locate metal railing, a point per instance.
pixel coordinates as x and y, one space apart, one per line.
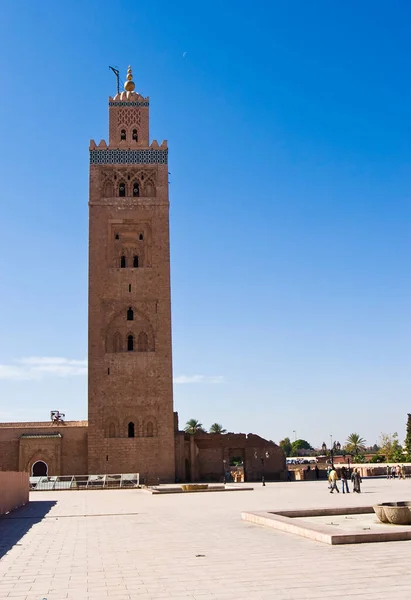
85 482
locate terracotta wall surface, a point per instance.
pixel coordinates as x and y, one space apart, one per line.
14 490
64 456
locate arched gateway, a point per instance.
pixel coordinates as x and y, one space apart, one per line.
39 469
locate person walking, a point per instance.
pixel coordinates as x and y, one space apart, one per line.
317 472
333 478
344 482
356 480
388 472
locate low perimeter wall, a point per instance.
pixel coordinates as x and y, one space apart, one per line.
14 490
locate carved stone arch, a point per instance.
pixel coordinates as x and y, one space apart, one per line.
108 189
131 418
118 323
119 188
130 342
150 427
117 342
149 188
40 454
142 342
112 427
135 128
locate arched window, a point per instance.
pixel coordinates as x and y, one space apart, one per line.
117 236
130 314
136 189
150 429
142 342
123 134
117 345
123 263
130 343
135 135
131 429
135 262
122 190
141 237
112 430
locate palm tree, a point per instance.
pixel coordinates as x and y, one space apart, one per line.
193 426
355 444
217 428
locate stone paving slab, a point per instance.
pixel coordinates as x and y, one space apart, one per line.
128 545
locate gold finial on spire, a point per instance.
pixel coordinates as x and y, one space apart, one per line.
129 84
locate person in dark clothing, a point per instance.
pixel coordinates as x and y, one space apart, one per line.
317 472
344 482
356 479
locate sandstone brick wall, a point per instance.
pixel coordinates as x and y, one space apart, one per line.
64 456
207 452
14 490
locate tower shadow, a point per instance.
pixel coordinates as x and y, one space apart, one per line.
17 523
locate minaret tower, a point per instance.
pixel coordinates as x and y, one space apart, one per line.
130 396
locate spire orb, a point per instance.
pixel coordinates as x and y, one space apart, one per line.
129 84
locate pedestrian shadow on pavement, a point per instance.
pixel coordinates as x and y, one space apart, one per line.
17 523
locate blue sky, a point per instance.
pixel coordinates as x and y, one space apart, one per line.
290 146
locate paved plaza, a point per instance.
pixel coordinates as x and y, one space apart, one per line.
129 544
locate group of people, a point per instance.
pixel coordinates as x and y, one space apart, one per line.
345 476
396 471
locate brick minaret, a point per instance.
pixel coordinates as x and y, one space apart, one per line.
130 402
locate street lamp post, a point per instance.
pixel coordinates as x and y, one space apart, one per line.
224 478
336 446
266 455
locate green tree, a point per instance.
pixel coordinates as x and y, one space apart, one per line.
217 428
286 446
407 443
355 444
193 426
391 448
298 445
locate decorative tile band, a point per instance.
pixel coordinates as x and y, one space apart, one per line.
128 157
128 104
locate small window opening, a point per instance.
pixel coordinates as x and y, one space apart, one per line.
135 136
123 262
141 236
130 314
107 457
130 343
117 237
122 190
135 262
136 189
108 371
131 429
129 287
128 177
123 134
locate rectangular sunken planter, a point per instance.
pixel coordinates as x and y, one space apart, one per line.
292 521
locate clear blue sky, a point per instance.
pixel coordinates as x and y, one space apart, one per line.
290 149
